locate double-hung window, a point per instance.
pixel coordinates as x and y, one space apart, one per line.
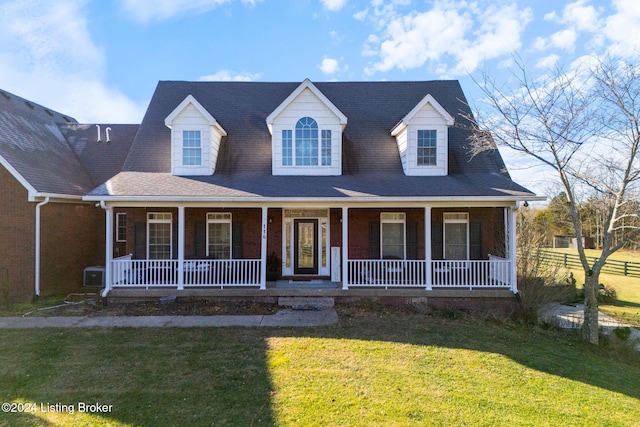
121 227
326 147
191 148
456 235
427 149
219 235
159 235
287 147
392 234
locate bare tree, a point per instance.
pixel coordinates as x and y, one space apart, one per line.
583 123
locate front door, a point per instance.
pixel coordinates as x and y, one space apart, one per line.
305 238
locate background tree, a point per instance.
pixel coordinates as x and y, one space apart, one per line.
584 124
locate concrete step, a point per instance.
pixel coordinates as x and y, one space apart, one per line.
306 303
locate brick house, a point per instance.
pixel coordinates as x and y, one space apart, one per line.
278 189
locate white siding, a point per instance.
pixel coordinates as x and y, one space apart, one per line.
426 119
307 104
191 119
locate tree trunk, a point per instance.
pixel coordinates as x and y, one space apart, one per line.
590 330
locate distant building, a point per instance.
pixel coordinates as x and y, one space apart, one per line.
571 242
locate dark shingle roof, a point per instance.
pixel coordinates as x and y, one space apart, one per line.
371 162
46 148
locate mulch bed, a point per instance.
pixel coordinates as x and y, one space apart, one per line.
179 307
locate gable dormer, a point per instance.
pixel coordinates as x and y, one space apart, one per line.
422 137
195 139
306 134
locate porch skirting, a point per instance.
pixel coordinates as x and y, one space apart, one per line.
494 300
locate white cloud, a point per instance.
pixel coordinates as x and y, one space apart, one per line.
146 11
453 37
565 39
581 16
548 62
622 27
229 76
47 56
577 17
329 66
333 5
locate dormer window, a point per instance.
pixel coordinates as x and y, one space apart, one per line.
191 148
427 148
195 139
306 131
308 151
422 137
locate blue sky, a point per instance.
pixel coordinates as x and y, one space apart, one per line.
100 60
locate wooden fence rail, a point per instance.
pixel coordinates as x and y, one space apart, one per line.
620 268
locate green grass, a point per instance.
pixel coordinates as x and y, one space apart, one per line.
371 369
627 308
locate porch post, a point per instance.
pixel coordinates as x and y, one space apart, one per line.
263 249
181 220
427 247
345 248
108 249
512 249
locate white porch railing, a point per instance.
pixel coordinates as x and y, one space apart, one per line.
150 273
387 273
492 273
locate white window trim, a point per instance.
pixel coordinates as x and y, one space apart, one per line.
224 218
164 220
119 226
199 148
425 165
451 220
400 218
294 143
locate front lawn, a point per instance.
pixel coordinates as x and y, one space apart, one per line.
371 369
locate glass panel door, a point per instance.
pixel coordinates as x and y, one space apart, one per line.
305 241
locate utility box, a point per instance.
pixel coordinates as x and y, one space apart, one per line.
93 277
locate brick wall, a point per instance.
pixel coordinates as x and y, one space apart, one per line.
17 240
72 238
251 220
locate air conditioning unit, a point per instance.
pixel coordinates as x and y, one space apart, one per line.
93 277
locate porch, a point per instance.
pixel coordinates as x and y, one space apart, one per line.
240 249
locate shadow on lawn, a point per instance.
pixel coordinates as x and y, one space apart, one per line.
558 353
220 376
151 377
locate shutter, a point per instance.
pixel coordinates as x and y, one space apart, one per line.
200 236
174 240
140 240
374 240
412 240
436 240
475 240
237 241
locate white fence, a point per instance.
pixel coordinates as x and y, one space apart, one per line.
150 273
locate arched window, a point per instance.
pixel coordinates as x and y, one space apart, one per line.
306 142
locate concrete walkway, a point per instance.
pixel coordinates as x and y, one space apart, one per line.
572 316
283 318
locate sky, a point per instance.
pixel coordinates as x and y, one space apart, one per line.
99 61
